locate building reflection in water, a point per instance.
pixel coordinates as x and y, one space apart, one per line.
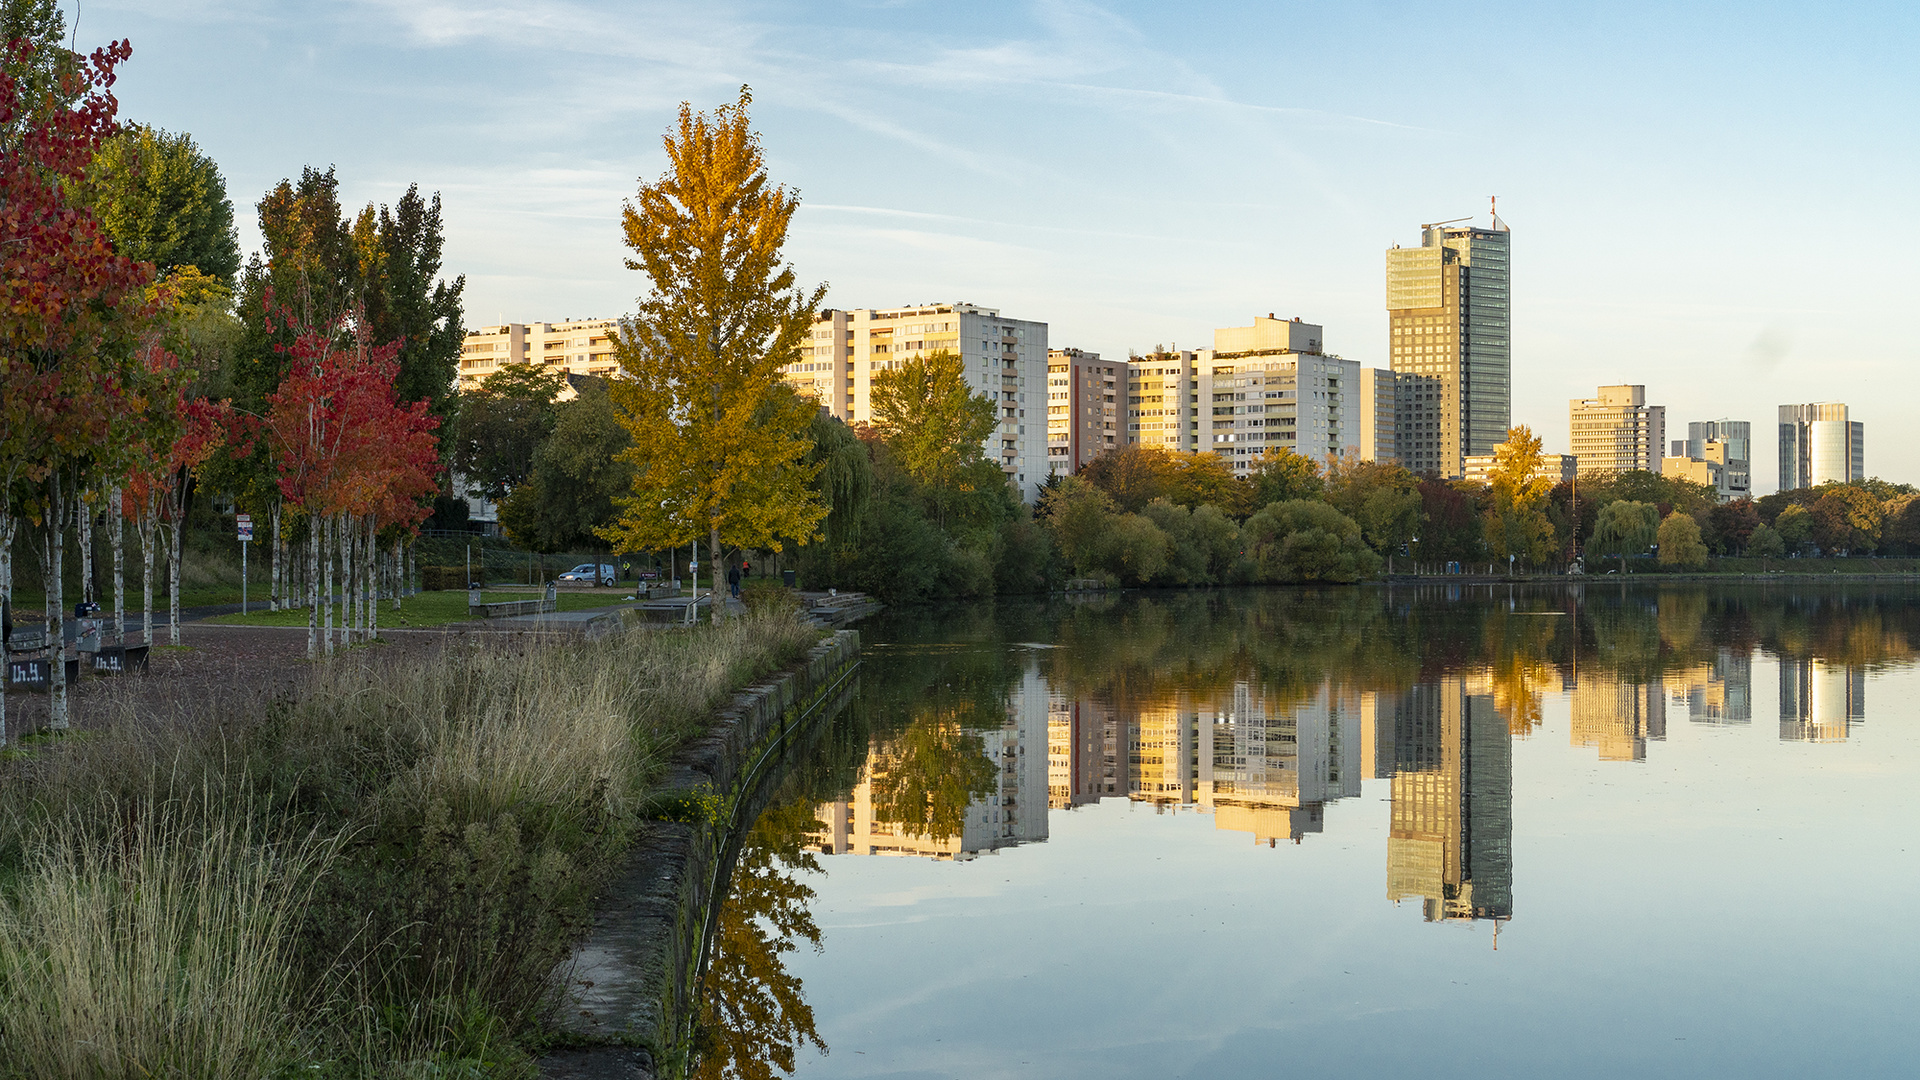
1616 716
1720 692
1011 810
1820 700
1450 844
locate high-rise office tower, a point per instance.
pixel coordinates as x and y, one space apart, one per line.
1450 333
1819 445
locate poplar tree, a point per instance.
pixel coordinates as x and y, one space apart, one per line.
720 444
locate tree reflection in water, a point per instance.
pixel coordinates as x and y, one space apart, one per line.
754 1017
925 778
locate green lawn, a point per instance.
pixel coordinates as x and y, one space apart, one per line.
430 608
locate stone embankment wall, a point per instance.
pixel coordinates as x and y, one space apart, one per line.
630 989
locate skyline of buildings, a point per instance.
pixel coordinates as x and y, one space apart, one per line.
1272 386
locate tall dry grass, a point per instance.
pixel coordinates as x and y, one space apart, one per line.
154 943
478 800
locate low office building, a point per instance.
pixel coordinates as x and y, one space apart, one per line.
1617 430
1820 444
1479 467
1004 358
1734 455
1086 408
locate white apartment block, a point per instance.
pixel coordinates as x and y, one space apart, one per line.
1262 389
1270 387
1005 360
576 347
1086 408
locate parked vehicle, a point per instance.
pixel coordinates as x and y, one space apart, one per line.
591 574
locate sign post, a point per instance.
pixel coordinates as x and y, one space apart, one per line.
245 524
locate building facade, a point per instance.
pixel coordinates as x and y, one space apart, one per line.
1734 455
1004 358
1379 405
1163 400
1617 430
1086 408
576 347
1819 444
1450 337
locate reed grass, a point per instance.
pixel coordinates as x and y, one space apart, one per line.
377 875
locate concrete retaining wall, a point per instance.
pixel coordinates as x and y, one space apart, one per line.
631 986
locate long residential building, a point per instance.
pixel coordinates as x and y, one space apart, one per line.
1004 358
1820 444
1616 430
1450 339
1260 390
574 346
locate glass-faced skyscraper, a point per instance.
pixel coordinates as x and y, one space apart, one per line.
1450 334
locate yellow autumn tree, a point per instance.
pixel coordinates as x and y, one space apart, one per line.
719 442
1517 519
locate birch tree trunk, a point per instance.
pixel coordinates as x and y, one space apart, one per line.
399 574
326 585
83 517
373 581
117 527
50 565
173 580
313 587
275 593
149 522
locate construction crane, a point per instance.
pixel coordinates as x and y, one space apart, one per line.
1450 221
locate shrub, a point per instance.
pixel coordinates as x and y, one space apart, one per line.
1306 540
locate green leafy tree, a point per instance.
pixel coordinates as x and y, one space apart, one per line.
935 423
163 201
500 425
404 298
1283 477
1624 528
1450 525
1518 491
844 480
1205 480
1900 532
1306 540
1765 544
1680 543
1795 526
1079 515
44 76
1383 498
720 444
1134 549
567 499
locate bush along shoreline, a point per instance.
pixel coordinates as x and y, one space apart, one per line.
373 878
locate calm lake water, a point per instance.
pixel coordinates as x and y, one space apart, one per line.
1364 832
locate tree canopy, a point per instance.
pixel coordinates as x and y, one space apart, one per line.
164 202
720 444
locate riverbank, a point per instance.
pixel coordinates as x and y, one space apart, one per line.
372 871
631 988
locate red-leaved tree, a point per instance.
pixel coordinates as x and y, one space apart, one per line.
354 460
72 314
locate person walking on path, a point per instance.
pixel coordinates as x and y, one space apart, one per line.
733 579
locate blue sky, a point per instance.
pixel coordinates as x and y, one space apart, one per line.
1715 200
